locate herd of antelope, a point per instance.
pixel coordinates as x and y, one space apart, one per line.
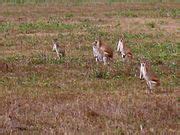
104 53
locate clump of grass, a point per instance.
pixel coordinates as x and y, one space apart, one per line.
100 73
151 24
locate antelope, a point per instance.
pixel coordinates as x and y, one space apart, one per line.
56 47
104 52
98 55
147 74
124 51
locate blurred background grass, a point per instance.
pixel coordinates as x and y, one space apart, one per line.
79 1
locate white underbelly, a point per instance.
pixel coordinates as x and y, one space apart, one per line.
97 54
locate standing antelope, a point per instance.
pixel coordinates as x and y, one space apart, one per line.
124 51
147 74
98 55
104 52
59 50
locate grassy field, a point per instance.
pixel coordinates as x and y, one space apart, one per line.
40 94
80 2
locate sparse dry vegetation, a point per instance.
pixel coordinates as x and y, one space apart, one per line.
41 94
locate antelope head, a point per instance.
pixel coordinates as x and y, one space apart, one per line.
144 66
120 45
97 43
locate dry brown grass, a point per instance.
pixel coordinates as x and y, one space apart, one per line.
95 112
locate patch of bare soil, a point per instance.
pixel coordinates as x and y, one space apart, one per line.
172 26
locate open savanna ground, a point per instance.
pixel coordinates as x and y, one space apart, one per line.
41 94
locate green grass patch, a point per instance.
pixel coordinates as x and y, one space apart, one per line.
34 26
5 27
129 36
101 74
157 53
69 15
14 58
128 13
41 58
24 27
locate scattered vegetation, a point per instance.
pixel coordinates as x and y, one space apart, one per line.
45 95
28 27
4 27
44 59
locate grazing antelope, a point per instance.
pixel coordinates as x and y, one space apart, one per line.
147 74
124 51
104 52
56 47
